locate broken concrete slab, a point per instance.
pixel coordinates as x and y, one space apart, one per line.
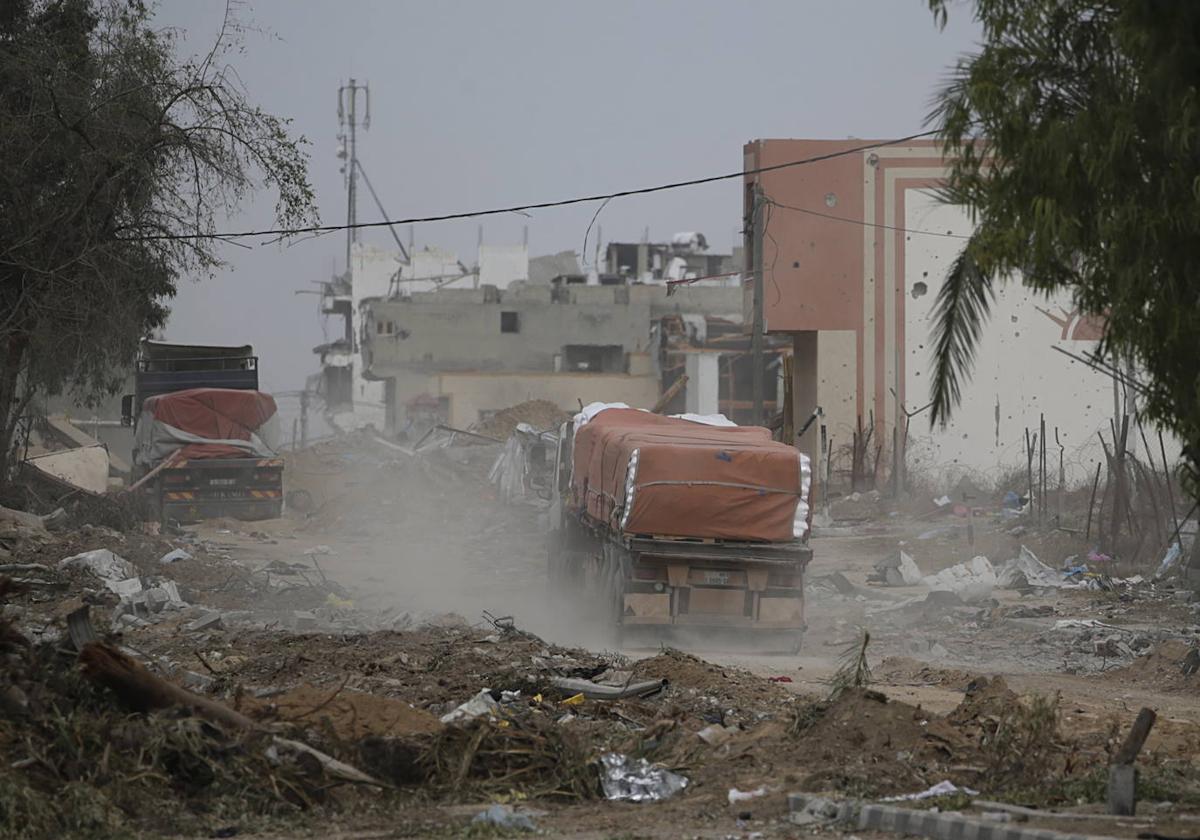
85 468
127 588
208 621
67 433
102 563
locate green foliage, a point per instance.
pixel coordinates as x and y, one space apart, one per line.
1073 138
113 148
853 670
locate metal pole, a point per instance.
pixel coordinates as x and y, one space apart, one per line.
756 338
348 118
303 419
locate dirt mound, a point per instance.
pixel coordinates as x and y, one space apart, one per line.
730 687
864 741
1170 666
350 715
541 414
902 670
986 699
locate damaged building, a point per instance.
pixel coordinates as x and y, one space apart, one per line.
852 252
475 351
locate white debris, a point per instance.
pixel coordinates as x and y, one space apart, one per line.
637 780
479 705
972 581
174 556
1027 566
910 574
125 588
102 563
736 795
945 788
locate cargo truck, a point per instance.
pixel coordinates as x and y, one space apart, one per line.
680 529
205 437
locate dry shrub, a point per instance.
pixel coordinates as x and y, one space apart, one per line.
530 754
1022 749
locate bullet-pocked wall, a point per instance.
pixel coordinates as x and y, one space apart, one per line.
857 247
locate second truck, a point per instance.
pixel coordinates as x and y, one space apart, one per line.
675 527
205 437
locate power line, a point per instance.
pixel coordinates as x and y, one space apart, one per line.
864 223
543 205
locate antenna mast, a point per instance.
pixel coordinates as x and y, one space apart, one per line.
348 123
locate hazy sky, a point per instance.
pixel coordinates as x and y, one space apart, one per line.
486 103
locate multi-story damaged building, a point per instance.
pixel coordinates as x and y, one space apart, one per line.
685 256
354 399
472 352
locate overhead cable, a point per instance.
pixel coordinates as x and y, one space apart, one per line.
542 205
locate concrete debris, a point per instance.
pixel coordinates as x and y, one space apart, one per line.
504 817
943 788
898 570
208 621
102 563
85 468
637 780
735 796
174 556
126 588
593 691
304 619
972 581
807 809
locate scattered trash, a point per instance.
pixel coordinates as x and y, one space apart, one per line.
943 788
780 679
1170 560
942 501
1026 571
503 816
972 581
1012 501
174 556
637 780
736 795
481 704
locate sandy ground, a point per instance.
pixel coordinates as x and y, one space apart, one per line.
378 569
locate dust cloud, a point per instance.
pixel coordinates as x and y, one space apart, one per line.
427 536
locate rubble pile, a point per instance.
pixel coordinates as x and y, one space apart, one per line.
540 414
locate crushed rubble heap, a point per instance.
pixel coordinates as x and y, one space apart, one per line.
541 414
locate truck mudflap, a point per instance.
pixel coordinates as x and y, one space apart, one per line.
242 488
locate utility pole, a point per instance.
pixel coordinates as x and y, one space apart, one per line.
303 419
755 230
348 123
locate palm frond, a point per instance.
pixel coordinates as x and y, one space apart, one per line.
962 307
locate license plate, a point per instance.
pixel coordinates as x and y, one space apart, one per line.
716 578
222 482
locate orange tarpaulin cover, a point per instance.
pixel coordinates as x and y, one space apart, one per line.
688 479
216 414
